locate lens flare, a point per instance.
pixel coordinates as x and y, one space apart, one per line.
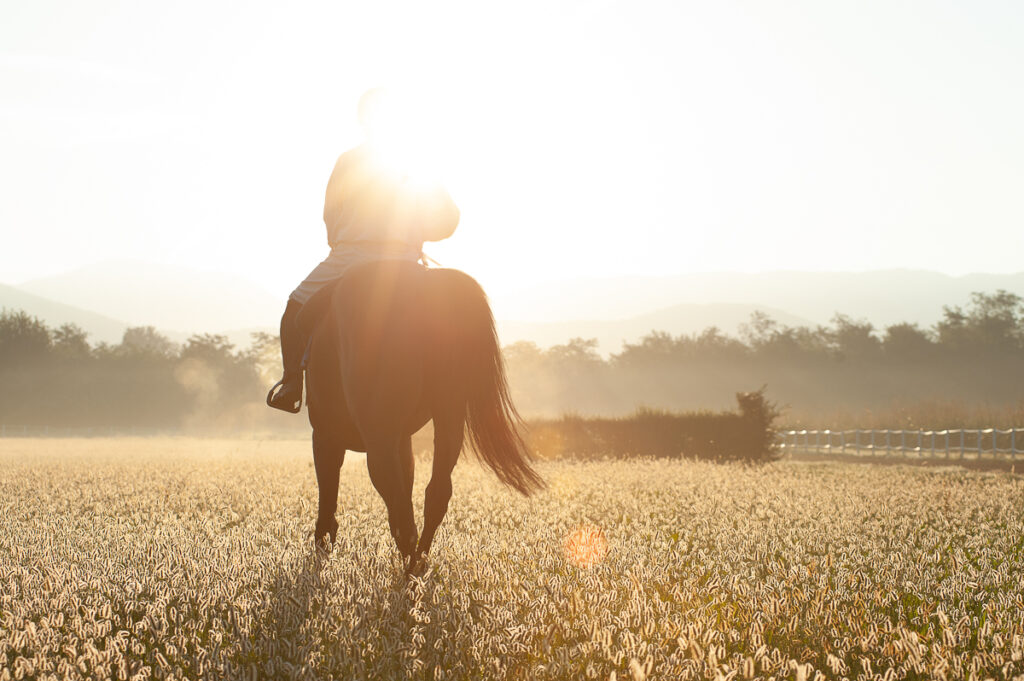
586 546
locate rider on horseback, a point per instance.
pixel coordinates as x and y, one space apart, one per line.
374 210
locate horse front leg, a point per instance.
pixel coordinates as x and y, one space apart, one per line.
328 455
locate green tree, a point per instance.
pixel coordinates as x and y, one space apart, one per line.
210 368
657 347
263 354
146 341
578 352
907 341
993 321
212 348
71 342
23 338
854 339
760 330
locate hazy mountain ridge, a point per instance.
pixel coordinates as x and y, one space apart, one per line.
882 297
55 314
179 300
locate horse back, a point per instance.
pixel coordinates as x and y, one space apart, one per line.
398 335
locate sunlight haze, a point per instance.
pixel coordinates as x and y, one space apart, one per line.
580 139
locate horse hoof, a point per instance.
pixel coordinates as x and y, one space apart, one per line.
417 566
323 546
324 538
323 543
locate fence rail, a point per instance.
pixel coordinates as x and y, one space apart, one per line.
958 443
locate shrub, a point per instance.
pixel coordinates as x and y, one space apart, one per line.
746 435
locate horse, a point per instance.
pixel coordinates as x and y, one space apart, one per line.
394 345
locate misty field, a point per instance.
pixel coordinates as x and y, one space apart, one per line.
184 558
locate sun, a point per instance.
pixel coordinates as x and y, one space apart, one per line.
404 134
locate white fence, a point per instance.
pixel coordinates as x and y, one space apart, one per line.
960 443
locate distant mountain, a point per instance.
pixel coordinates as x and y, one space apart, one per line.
178 300
882 297
99 327
687 318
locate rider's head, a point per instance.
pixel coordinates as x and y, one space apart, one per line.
375 111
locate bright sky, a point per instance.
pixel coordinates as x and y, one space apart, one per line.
583 138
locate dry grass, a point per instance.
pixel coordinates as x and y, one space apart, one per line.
179 558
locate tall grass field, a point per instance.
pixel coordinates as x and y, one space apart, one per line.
177 558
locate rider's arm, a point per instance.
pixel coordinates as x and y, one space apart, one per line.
441 214
334 193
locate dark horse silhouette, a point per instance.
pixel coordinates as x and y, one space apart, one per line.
395 345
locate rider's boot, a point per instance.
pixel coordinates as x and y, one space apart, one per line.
289 396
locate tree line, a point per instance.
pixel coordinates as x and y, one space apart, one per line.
846 373
55 377
973 354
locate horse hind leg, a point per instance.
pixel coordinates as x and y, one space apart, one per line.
387 464
408 466
328 456
449 430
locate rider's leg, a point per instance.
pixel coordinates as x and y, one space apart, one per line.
293 346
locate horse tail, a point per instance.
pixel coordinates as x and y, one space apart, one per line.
493 424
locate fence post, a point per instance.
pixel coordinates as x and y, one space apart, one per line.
963 442
888 442
933 445
1013 444
980 432
872 442
842 440
947 443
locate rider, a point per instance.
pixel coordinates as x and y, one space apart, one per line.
375 209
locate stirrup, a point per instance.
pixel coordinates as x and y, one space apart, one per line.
272 394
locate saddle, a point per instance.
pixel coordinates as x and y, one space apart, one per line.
314 309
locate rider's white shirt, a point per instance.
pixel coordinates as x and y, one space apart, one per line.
373 213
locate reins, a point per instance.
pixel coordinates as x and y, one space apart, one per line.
426 260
